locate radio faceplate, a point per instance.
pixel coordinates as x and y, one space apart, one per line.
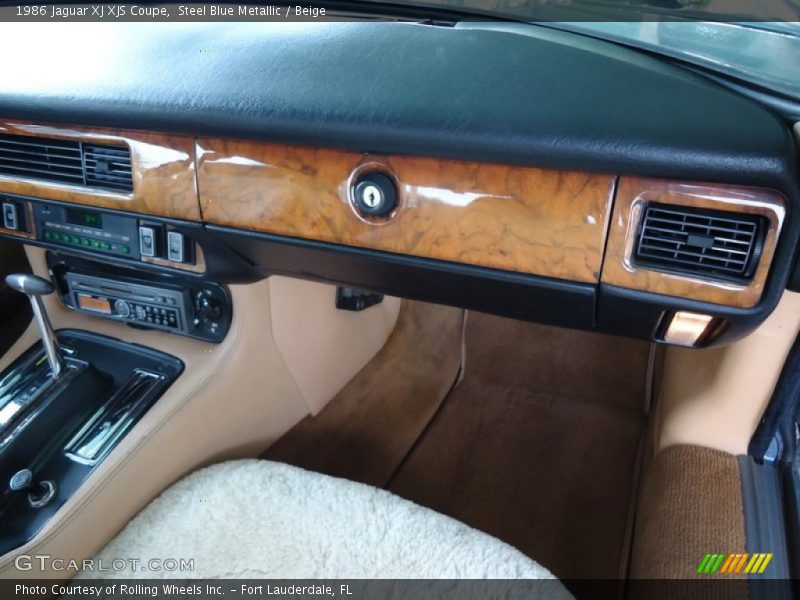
91 231
128 302
87 229
184 306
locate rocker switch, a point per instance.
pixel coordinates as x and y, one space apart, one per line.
10 219
175 246
147 240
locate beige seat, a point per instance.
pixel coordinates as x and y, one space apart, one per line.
260 519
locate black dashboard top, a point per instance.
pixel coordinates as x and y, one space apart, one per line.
528 95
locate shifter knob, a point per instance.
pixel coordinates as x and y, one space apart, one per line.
30 285
34 288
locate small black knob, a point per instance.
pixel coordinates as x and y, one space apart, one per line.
375 194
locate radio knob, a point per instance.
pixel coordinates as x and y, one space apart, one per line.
122 308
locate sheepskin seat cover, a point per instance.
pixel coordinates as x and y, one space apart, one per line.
260 519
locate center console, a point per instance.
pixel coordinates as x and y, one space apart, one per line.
67 402
55 430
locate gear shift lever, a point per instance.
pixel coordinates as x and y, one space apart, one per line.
34 288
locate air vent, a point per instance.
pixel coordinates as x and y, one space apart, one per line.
63 161
716 244
108 167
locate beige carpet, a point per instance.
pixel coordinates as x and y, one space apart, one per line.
538 444
367 429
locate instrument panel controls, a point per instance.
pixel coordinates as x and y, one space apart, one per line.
86 229
375 195
207 311
194 308
89 230
10 216
147 240
176 246
122 308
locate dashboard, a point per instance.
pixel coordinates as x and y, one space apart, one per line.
574 183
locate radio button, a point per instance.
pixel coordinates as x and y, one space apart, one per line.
122 308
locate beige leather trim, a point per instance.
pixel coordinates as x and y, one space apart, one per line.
233 400
324 347
715 397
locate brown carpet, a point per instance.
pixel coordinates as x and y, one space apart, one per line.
690 503
538 444
364 433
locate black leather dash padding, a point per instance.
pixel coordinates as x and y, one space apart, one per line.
546 98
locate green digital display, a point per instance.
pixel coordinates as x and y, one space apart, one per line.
86 218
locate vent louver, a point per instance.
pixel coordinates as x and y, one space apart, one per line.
108 167
63 161
716 244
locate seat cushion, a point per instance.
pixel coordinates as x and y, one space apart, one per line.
260 519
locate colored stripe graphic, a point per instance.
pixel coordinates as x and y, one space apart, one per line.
711 563
765 563
758 563
718 563
752 562
703 563
741 563
730 564
757 566
734 562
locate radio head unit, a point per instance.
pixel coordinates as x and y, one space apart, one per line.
185 306
129 302
87 229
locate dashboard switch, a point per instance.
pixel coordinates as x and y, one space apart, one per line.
10 217
147 240
176 244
